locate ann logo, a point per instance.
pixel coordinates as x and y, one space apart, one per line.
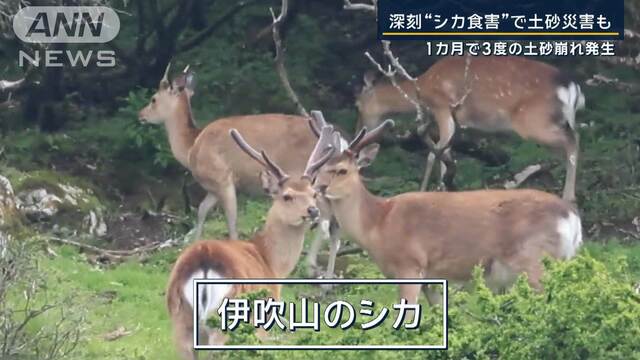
74 27
66 24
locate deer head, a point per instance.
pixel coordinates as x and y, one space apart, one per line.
294 200
337 178
365 98
169 95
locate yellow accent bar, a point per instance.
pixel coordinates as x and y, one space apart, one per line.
499 33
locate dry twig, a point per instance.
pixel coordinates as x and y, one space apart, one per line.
599 79
279 59
117 254
373 7
396 68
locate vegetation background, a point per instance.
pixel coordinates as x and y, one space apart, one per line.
72 128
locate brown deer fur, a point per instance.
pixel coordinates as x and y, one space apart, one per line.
272 253
490 93
210 154
443 234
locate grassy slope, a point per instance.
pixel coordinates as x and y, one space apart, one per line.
138 304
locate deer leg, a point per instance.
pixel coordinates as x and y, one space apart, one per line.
183 337
446 129
427 172
185 350
410 292
334 236
206 204
321 233
433 293
447 170
571 149
230 205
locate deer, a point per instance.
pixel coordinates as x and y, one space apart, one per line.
271 253
489 93
446 234
209 154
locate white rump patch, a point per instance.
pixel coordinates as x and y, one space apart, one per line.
211 296
570 231
572 100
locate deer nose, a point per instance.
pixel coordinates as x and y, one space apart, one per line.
313 212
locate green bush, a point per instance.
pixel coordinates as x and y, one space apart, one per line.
150 141
584 312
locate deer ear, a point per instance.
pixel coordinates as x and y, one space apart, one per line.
270 183
190 82
369 79
367 155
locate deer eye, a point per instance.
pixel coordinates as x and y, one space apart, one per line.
342 172
287 198
153 100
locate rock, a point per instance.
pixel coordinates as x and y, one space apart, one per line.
74 195
39 204
60 202
4 242
9 214
95 223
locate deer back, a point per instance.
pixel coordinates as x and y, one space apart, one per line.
215 156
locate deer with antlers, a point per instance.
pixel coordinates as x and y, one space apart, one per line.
446 234
210 155
489 93
272 253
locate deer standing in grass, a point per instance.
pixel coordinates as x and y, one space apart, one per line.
446 234
272 253
210 154
531 98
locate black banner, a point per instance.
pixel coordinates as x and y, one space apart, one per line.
506 20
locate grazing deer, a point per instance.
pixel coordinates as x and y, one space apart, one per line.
446 234
210 154
489 93
272 253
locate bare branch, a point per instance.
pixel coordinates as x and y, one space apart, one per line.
522 176
467 85
348 5
390 73
279 59
633 62
631 34
7 85
211 29
117 253
599 79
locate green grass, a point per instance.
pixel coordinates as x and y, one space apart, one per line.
132 295
129 295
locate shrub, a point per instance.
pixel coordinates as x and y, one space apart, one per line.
33 324
585 311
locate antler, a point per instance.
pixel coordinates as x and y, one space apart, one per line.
260 157
317 122
322 152
358 137
181 80
165 82
365 137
